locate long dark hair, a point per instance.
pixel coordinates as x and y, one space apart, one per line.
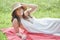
14 15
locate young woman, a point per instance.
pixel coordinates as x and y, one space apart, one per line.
43 25
21 19
21 11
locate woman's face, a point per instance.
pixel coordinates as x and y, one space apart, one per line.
19 12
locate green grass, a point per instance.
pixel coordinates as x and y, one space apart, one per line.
46 8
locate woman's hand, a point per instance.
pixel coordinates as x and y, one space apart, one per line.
26 13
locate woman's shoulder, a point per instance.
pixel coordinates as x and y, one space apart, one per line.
15 20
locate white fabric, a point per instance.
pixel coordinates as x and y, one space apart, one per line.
43 25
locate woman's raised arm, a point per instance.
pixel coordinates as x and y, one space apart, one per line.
15 25
32 8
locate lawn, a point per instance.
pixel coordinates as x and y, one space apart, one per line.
46 8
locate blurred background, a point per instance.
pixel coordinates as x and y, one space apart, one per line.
46 8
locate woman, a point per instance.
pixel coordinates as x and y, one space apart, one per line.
21 10
43 25
21 18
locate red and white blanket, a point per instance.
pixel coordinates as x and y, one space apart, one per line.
11 35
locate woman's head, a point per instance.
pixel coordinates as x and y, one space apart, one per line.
19 8
18 11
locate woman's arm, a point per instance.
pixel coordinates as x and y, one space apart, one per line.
15 25
31 8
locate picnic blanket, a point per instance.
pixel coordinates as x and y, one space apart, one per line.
11 35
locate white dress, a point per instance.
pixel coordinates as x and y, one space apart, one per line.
43 25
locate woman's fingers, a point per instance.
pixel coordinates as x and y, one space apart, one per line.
26 13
